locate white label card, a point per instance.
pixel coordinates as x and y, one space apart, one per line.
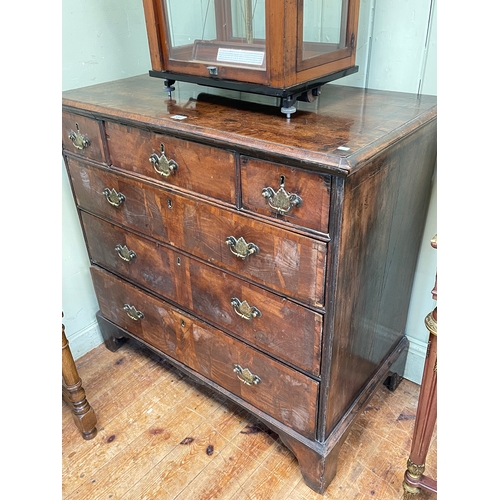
240 56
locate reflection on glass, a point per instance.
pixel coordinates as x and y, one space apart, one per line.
223 32
324 27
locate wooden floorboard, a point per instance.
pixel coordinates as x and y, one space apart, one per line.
162 436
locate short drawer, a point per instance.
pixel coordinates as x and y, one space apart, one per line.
281 260
276 325
179 163
82 135
273 388
290 195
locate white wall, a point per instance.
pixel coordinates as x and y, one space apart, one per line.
103 41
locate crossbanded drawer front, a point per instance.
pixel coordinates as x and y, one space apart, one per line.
285 261
82 135
189 165
270 386
276 325
288 194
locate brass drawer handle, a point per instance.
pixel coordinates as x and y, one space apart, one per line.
244 310
240 247
245 375
114 198
133 313
124 253
280 200
162 164
79 140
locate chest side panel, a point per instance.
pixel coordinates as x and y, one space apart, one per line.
383 217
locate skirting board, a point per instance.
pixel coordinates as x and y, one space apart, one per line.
417 352
85 340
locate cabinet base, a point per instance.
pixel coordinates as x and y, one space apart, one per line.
317 460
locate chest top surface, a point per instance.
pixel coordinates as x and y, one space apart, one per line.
337 132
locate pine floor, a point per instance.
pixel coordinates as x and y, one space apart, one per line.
162 436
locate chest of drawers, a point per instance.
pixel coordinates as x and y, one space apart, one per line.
270 259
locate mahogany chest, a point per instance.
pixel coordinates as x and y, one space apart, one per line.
271 259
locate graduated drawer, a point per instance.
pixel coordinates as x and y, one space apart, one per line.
82 135
281 392
291 195
286 262
184 164
280 327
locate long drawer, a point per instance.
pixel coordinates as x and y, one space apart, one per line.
286 262
270 386
283 328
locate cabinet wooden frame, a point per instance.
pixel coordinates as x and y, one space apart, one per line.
285 65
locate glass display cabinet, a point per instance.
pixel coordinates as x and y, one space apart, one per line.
282 48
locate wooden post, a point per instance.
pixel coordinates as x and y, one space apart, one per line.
74 394
414 479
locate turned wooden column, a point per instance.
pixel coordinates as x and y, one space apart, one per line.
414 479
74 394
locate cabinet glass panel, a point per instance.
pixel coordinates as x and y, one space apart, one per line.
324 25
221 32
